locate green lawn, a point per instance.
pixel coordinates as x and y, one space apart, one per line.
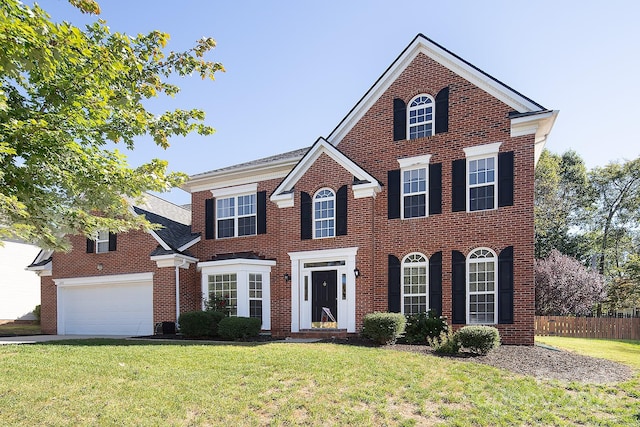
11 328
623 351
111 382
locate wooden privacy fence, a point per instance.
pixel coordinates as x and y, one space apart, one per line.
589 327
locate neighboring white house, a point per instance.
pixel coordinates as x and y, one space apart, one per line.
19 288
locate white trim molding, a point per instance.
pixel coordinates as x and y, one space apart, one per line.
174 260
368 186
122 279
535 124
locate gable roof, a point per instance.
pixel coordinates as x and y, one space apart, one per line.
173 236
364 185
422 44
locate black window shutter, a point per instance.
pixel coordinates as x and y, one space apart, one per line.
505 179
459 185
113 242
306 216
505 285
341 211
394 284
209 219
393 202
261 213
90 246
435 188
458 289
442 110
399 120
435 283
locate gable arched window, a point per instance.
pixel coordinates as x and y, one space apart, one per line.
324 214
482 301
414 284
420 116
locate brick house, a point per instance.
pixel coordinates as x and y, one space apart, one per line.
421 198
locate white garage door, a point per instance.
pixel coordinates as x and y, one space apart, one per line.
107 305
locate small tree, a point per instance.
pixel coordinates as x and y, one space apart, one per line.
566 287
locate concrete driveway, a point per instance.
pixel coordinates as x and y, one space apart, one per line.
33 339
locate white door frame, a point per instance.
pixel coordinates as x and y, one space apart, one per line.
301 275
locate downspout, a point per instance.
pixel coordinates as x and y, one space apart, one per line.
184 261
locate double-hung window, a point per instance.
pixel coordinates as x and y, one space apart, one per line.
224 287
481 287
236 214
414 185
324 214
420 116
482 172
102 242
255 295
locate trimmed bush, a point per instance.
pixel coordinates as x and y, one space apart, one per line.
236 328
383 328
446 343
37 312
197 324
479 339
422 326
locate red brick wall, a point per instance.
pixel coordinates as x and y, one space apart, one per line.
131 256
475 118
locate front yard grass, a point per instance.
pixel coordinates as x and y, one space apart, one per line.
622 351
116 382
17 328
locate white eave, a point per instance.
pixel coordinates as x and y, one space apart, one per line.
422 44
535 124
241 175
365 186
174 260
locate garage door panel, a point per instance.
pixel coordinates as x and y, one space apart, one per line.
115 309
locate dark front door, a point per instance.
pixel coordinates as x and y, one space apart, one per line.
324 293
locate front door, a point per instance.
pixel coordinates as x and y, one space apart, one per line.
324 295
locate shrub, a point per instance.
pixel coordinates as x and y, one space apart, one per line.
215 303
422 326
383 328
195 324
479 339
446 343
37 312
235 328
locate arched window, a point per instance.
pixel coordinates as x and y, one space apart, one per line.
324 214
482 297
420 116
414 284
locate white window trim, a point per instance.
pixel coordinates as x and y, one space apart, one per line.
236 213
335 200
433 115
402 267
411 163
477 153
241 268
97 240
495 287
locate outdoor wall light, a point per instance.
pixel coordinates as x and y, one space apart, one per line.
356 272
287 277
100 267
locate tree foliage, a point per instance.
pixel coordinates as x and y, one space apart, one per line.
65 94
561 197
566 287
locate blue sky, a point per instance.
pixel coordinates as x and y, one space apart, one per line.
296 68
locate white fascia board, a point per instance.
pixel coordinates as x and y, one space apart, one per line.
173 260
366 189
159 240
328 254
189 244
482 150
282 195
41 270
124 279
539 125
284 200
446 59
240 176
